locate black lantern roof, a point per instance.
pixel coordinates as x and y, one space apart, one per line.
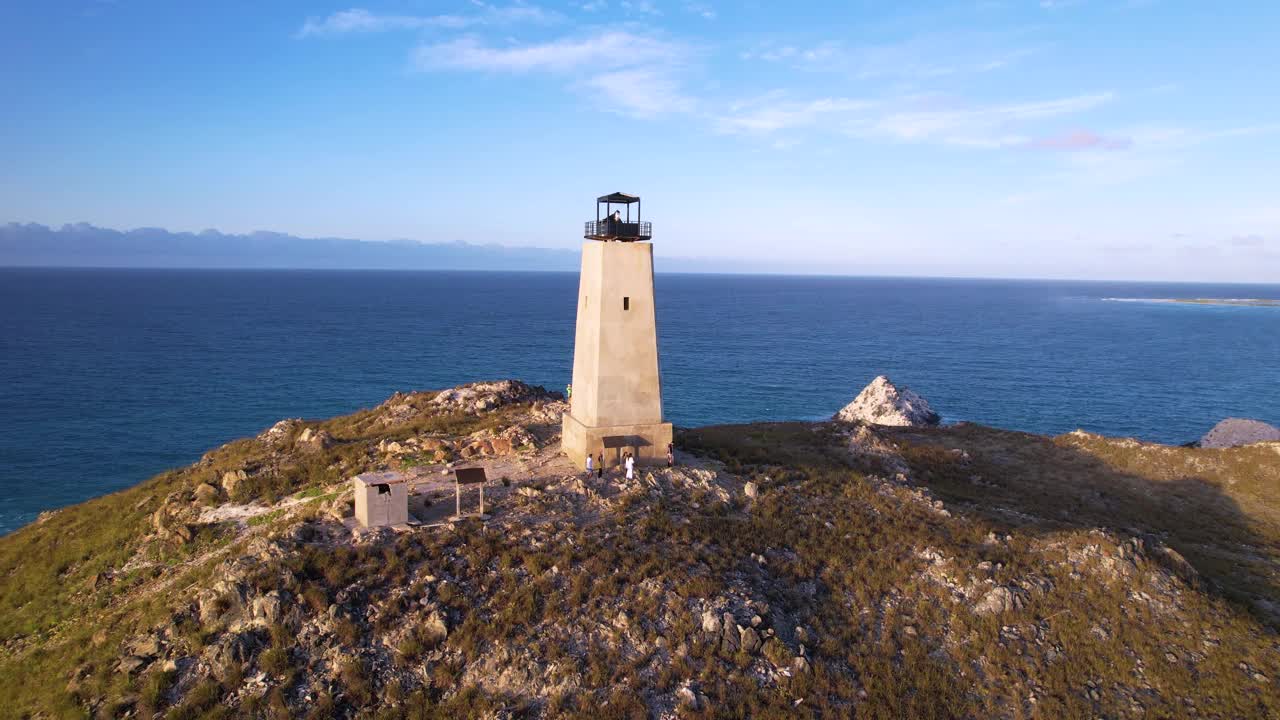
618 199
613 225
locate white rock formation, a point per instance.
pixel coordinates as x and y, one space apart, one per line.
881 403
1239 431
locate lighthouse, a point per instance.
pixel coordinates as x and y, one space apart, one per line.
616 403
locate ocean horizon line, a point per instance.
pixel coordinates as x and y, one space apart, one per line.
727 273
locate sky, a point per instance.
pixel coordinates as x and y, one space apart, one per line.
1094 139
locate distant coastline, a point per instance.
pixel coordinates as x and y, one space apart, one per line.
1238 302
81 245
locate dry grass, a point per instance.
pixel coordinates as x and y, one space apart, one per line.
844 560
1218 508
66 568
859 548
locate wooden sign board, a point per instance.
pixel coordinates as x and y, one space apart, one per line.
470 476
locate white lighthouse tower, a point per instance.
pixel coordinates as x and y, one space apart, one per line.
616 404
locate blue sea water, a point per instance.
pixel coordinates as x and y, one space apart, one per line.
110 376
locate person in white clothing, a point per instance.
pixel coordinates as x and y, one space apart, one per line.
589 465
631 467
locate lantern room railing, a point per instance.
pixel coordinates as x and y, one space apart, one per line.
618 230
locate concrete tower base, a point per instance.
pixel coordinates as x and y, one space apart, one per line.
648 442
617 385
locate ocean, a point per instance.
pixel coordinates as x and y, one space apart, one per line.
108 377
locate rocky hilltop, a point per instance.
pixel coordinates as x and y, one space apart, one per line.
883 403
838 569
1239 431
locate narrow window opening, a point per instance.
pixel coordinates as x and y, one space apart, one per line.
626 303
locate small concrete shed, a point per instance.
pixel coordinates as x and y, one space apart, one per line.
382 498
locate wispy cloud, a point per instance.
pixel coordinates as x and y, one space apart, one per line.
639 7
1162 137
609 50
1058 4
1080 140
920 58
983 126
1153 151
773 113
921 119
702 10
360 20
624 72
640 92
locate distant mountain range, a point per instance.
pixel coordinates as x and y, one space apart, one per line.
84 245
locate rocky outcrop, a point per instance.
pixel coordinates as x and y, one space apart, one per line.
171 520
883 403
473 399
1000 600
231 480
1239 431
206 494
488 396
281 431
313 440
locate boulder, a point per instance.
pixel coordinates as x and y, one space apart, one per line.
751 490
519 436
232 479
1239 431
231 652
1000 600
206 494
710 623
169 523
212 603
131 664
280 432
267 608
147 646
314 439
1173 561
434 445
729 635
883 403
750 640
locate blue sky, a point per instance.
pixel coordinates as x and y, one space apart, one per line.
1101 139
